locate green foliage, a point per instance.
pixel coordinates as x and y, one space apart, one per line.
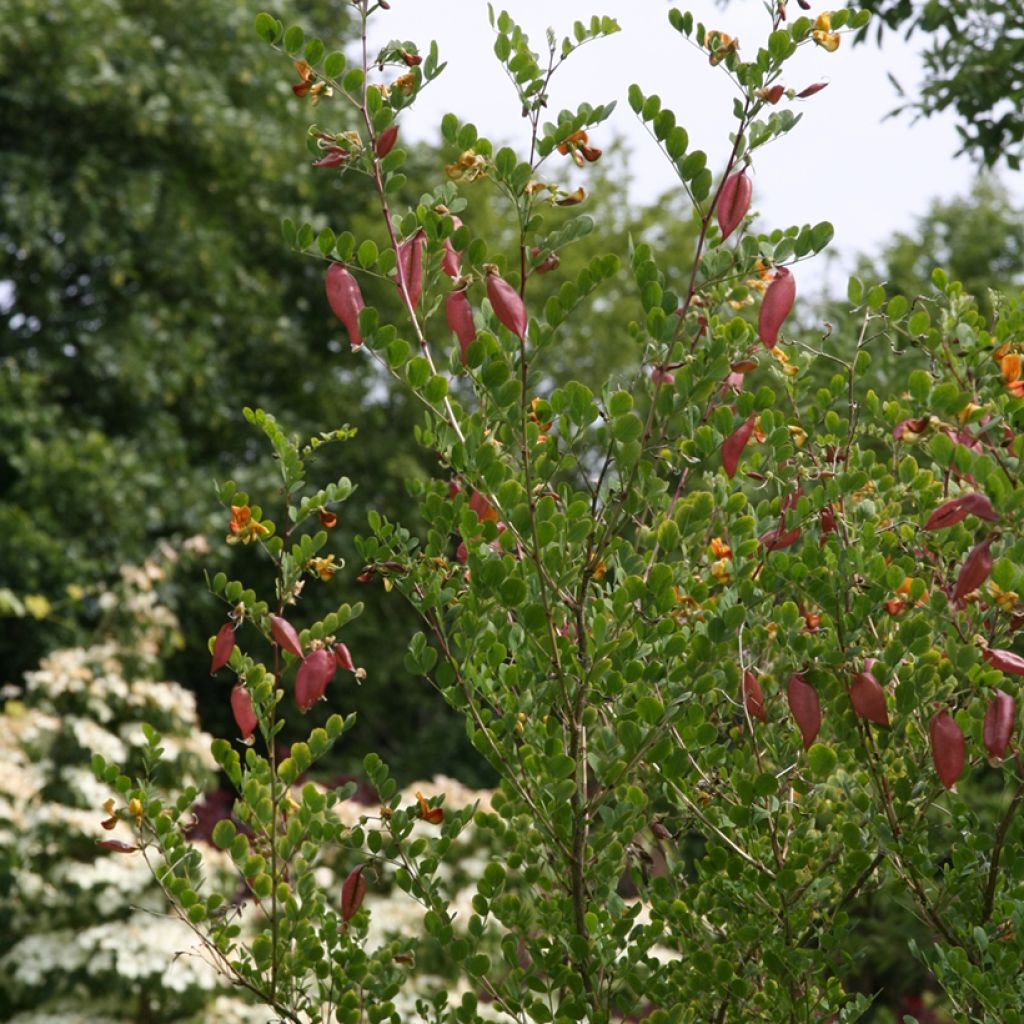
732 645
972 65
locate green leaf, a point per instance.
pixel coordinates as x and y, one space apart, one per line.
821 760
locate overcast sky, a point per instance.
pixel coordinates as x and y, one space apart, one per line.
842 163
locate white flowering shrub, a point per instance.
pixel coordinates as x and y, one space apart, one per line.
85 937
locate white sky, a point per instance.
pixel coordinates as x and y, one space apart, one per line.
842 163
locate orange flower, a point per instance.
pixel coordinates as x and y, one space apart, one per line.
1010 364
435 815
328 520
243 527
721 45
719 548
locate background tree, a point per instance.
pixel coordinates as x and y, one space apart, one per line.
974 65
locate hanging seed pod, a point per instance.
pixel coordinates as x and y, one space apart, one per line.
999 722
976 568
241 708
507 303
951 512
947 747
753 696
352 893
344 658
223 645
345 299
285 635
314 674
868 698
386 141
451 261
775 306
459 315
805 706
778 538
733 202
1006 661
410 262
733 445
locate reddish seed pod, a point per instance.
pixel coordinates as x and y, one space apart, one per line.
951 512
352 893
410 263
386 140
451 261
947 747
333 156
343 657
733 445
242 709
753 696
1006 661
999 722
810 90
550 261
482 507
733 202
976 568
805 706
116 845
775 306
314 674
911 429
223 645
507 304
285 635
868 698
345 299
459 315
779 538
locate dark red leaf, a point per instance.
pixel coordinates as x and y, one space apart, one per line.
778 538
947 747
116 845
951 512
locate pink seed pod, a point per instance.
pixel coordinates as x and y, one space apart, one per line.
451 261
410 263
1006 661
805 706
386 141
947 747
314 674
507 304
242 709
346 300
733 445
733 202
868 698
459 315
999 722
343 658
775 306
951 512
975 570
352 893
753 696
285 635
223 645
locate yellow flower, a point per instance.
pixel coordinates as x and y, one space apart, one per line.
1006 599
823 23
323 567
720 570
798 434
827 40
469 166
135 810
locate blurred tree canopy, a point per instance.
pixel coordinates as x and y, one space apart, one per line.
974 65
